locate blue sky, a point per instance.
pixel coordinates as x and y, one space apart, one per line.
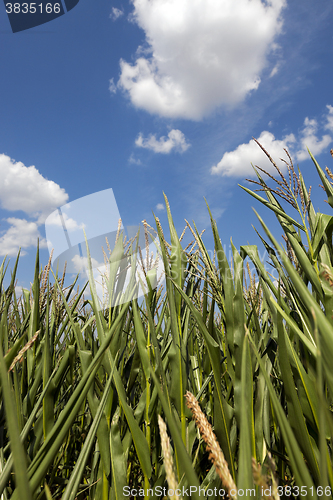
148 96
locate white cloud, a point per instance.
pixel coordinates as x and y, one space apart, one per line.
310 140
21 233
175 141
116 13
19 291
71 224
203 54
81 263
329 124
134 161
112 86
24 188
274 70
237 163
160 206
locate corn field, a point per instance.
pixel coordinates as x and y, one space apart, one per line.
217 385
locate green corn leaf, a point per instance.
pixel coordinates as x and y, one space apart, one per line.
102 429
214 356
137 434
272 207
118 462
72 487
19 456
306 265
324 325
185 460
295 456
295 413
323 226
34 324
177 351
327 185
247 444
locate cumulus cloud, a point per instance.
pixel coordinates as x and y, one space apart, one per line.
201 54
237 163
116 13
175 141
310 140
21 233
71 225
160 207
24 188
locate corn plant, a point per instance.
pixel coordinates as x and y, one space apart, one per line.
216 381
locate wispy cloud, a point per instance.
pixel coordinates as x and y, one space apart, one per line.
134 161
203 54
112 86
174 142
329 124
116 13
237 163
160 207
275 70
